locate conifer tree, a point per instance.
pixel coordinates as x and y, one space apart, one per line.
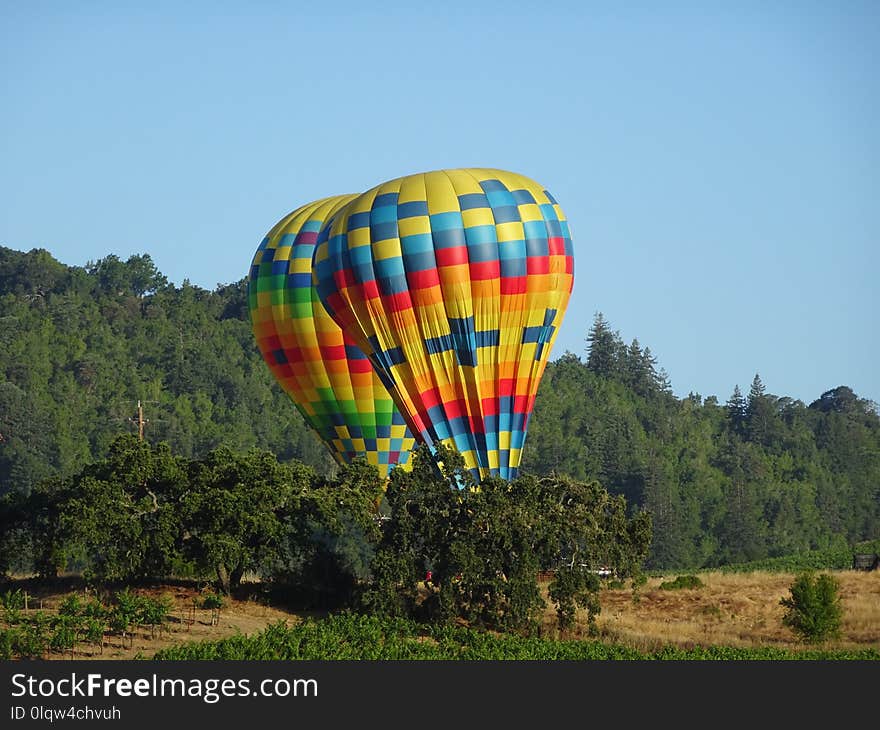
605 348
736 410
759 414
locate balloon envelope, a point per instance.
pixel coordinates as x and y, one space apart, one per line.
328 377
454 283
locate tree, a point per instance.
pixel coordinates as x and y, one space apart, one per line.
588 529
736 410
115 519
137 276
605 348
743 530
232 508
839 400
813 610
330 530
760 415
484 546
419 509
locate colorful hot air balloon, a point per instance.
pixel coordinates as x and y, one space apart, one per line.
454 283
329 379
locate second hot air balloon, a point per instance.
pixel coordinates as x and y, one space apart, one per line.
321 368
454 283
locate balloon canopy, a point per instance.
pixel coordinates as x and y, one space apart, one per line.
454 283
328 377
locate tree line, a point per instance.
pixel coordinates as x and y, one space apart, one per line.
427 545
751 478
756 477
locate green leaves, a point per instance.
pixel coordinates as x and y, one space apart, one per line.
813 610
232 509
349 637
485 545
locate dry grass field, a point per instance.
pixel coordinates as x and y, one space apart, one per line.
187 623
733 609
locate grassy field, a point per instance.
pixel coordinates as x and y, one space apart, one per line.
733 609
738 610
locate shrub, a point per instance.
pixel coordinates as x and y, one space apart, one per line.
214 602
71 606
64 634
126 612
8 642
94 609
813 611
12 600
32 641
154 612
94 631
681 581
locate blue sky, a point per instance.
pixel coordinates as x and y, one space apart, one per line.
719 162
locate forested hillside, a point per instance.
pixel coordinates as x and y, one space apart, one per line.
756 476
79 348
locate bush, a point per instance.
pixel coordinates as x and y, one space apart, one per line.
8 643
64 633
71 606
813 611
682 581
213 601
154 612
125 613
12 600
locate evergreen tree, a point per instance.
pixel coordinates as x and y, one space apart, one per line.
759 414
605 348
736 410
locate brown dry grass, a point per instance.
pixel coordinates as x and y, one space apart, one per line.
731 609
239 615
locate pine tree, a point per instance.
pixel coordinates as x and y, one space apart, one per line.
736 410
759 414
605 348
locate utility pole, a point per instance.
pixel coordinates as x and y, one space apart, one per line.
141 421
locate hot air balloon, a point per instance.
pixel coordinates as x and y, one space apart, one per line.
329 379
454 283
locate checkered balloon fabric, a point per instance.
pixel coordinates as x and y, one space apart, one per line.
454 283
328 377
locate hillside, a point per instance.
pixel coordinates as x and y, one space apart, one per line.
758 476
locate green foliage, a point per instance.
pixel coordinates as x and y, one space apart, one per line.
813 610
232 509
34 634
759 479
212 601
348 637
485 546
80 346
93 630
12 600
839 556
71 605
154 612
681 582
329 534
64 633
764 477
126 611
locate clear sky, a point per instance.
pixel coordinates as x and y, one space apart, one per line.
718 162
